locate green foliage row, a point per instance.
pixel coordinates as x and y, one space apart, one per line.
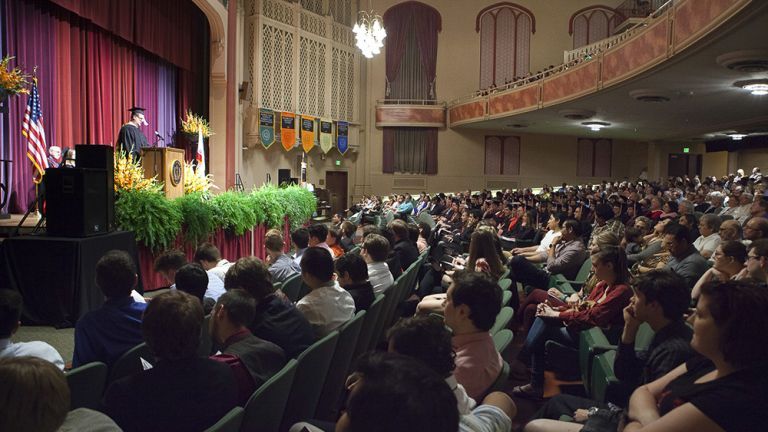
157 221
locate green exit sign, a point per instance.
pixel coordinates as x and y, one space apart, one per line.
686 150
338 162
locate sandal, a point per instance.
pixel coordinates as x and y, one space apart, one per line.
528 391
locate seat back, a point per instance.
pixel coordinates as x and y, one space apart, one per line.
292 287
502 319
206 343
369 326
589 338
583 273
327 407
230 422
505 284
264 409
644 337
355 250
130 362
313 366
501 380
86 385
602 375
502 339
506 296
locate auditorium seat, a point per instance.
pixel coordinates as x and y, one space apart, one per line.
130 362
502 319
369 326
266 406
502 339
230 422
86 385
292 287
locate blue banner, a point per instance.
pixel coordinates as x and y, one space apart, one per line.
342 134
267 127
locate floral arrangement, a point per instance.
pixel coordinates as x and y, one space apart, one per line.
129 175
195 184
13 81
192 123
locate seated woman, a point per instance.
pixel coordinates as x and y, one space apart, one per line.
669 210
602 308
729 259
333 240
652 243
555 297
525 230
425 231
707 242
483 256
720 390
538 253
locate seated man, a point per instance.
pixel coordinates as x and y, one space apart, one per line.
107 333
182 391
318 234
10 320
171 261
209 257
405 249
281 265
300 239
472 302
35 397
374 252
193 280
239 347
660 299
757 262
327 306
276 320
352 272
686 260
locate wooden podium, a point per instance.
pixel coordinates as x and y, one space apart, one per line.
168 165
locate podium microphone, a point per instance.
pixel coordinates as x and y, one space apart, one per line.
159 137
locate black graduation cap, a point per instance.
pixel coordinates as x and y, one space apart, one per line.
136 110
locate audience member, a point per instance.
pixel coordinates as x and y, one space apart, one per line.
334 242
730 230
300 239
538 253
35 397
106 333
709 225
276 320
404 248
393 257
193 280
605 220
757 261
239 348
10 320
756 228
318 234
281 266
374 251
348 230
685 260
327 306
182 391
472 302
425 231
728 262
209 257
352 273
660 300
169 262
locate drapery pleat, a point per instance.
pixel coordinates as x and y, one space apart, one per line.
411 81
88 78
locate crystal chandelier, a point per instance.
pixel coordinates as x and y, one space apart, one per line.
369 33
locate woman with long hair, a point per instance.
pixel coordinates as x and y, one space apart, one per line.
602 308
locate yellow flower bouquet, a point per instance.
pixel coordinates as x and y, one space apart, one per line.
192 123
12 81
129 175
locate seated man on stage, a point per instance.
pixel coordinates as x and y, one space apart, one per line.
107 333
131 140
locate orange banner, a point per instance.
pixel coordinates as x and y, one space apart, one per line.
288 130
307 133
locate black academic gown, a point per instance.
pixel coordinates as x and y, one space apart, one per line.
131 140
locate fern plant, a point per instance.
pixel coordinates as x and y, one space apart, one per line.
155 219
197 214
233 211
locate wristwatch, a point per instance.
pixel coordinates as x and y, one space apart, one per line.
592 411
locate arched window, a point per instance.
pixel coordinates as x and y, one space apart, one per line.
505 41
592 24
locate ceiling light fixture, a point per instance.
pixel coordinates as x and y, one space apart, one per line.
595 126
369 33
737 136
758 87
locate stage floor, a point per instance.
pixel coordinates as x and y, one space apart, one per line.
7 226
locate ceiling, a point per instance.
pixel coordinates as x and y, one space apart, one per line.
703 104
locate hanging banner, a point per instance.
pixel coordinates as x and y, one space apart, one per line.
326 135
288 130
307 133
342 132
267 127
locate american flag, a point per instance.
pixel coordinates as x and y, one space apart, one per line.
33 131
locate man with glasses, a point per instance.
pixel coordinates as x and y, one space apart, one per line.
757 262
755 229
131 140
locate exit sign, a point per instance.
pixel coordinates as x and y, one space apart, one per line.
686 150
338 162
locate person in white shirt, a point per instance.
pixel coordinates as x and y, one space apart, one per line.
538 253
300 239
171 261
209 257
10 315
707 242
327 306
375 251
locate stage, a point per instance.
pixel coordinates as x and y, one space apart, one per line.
7 226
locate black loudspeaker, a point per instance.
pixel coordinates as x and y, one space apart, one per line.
76 202
97 156
283 176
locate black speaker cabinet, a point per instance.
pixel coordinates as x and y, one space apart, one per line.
283 176
97 156
76 202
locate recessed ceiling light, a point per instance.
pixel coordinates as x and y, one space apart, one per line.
758 87
737 136
595 126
